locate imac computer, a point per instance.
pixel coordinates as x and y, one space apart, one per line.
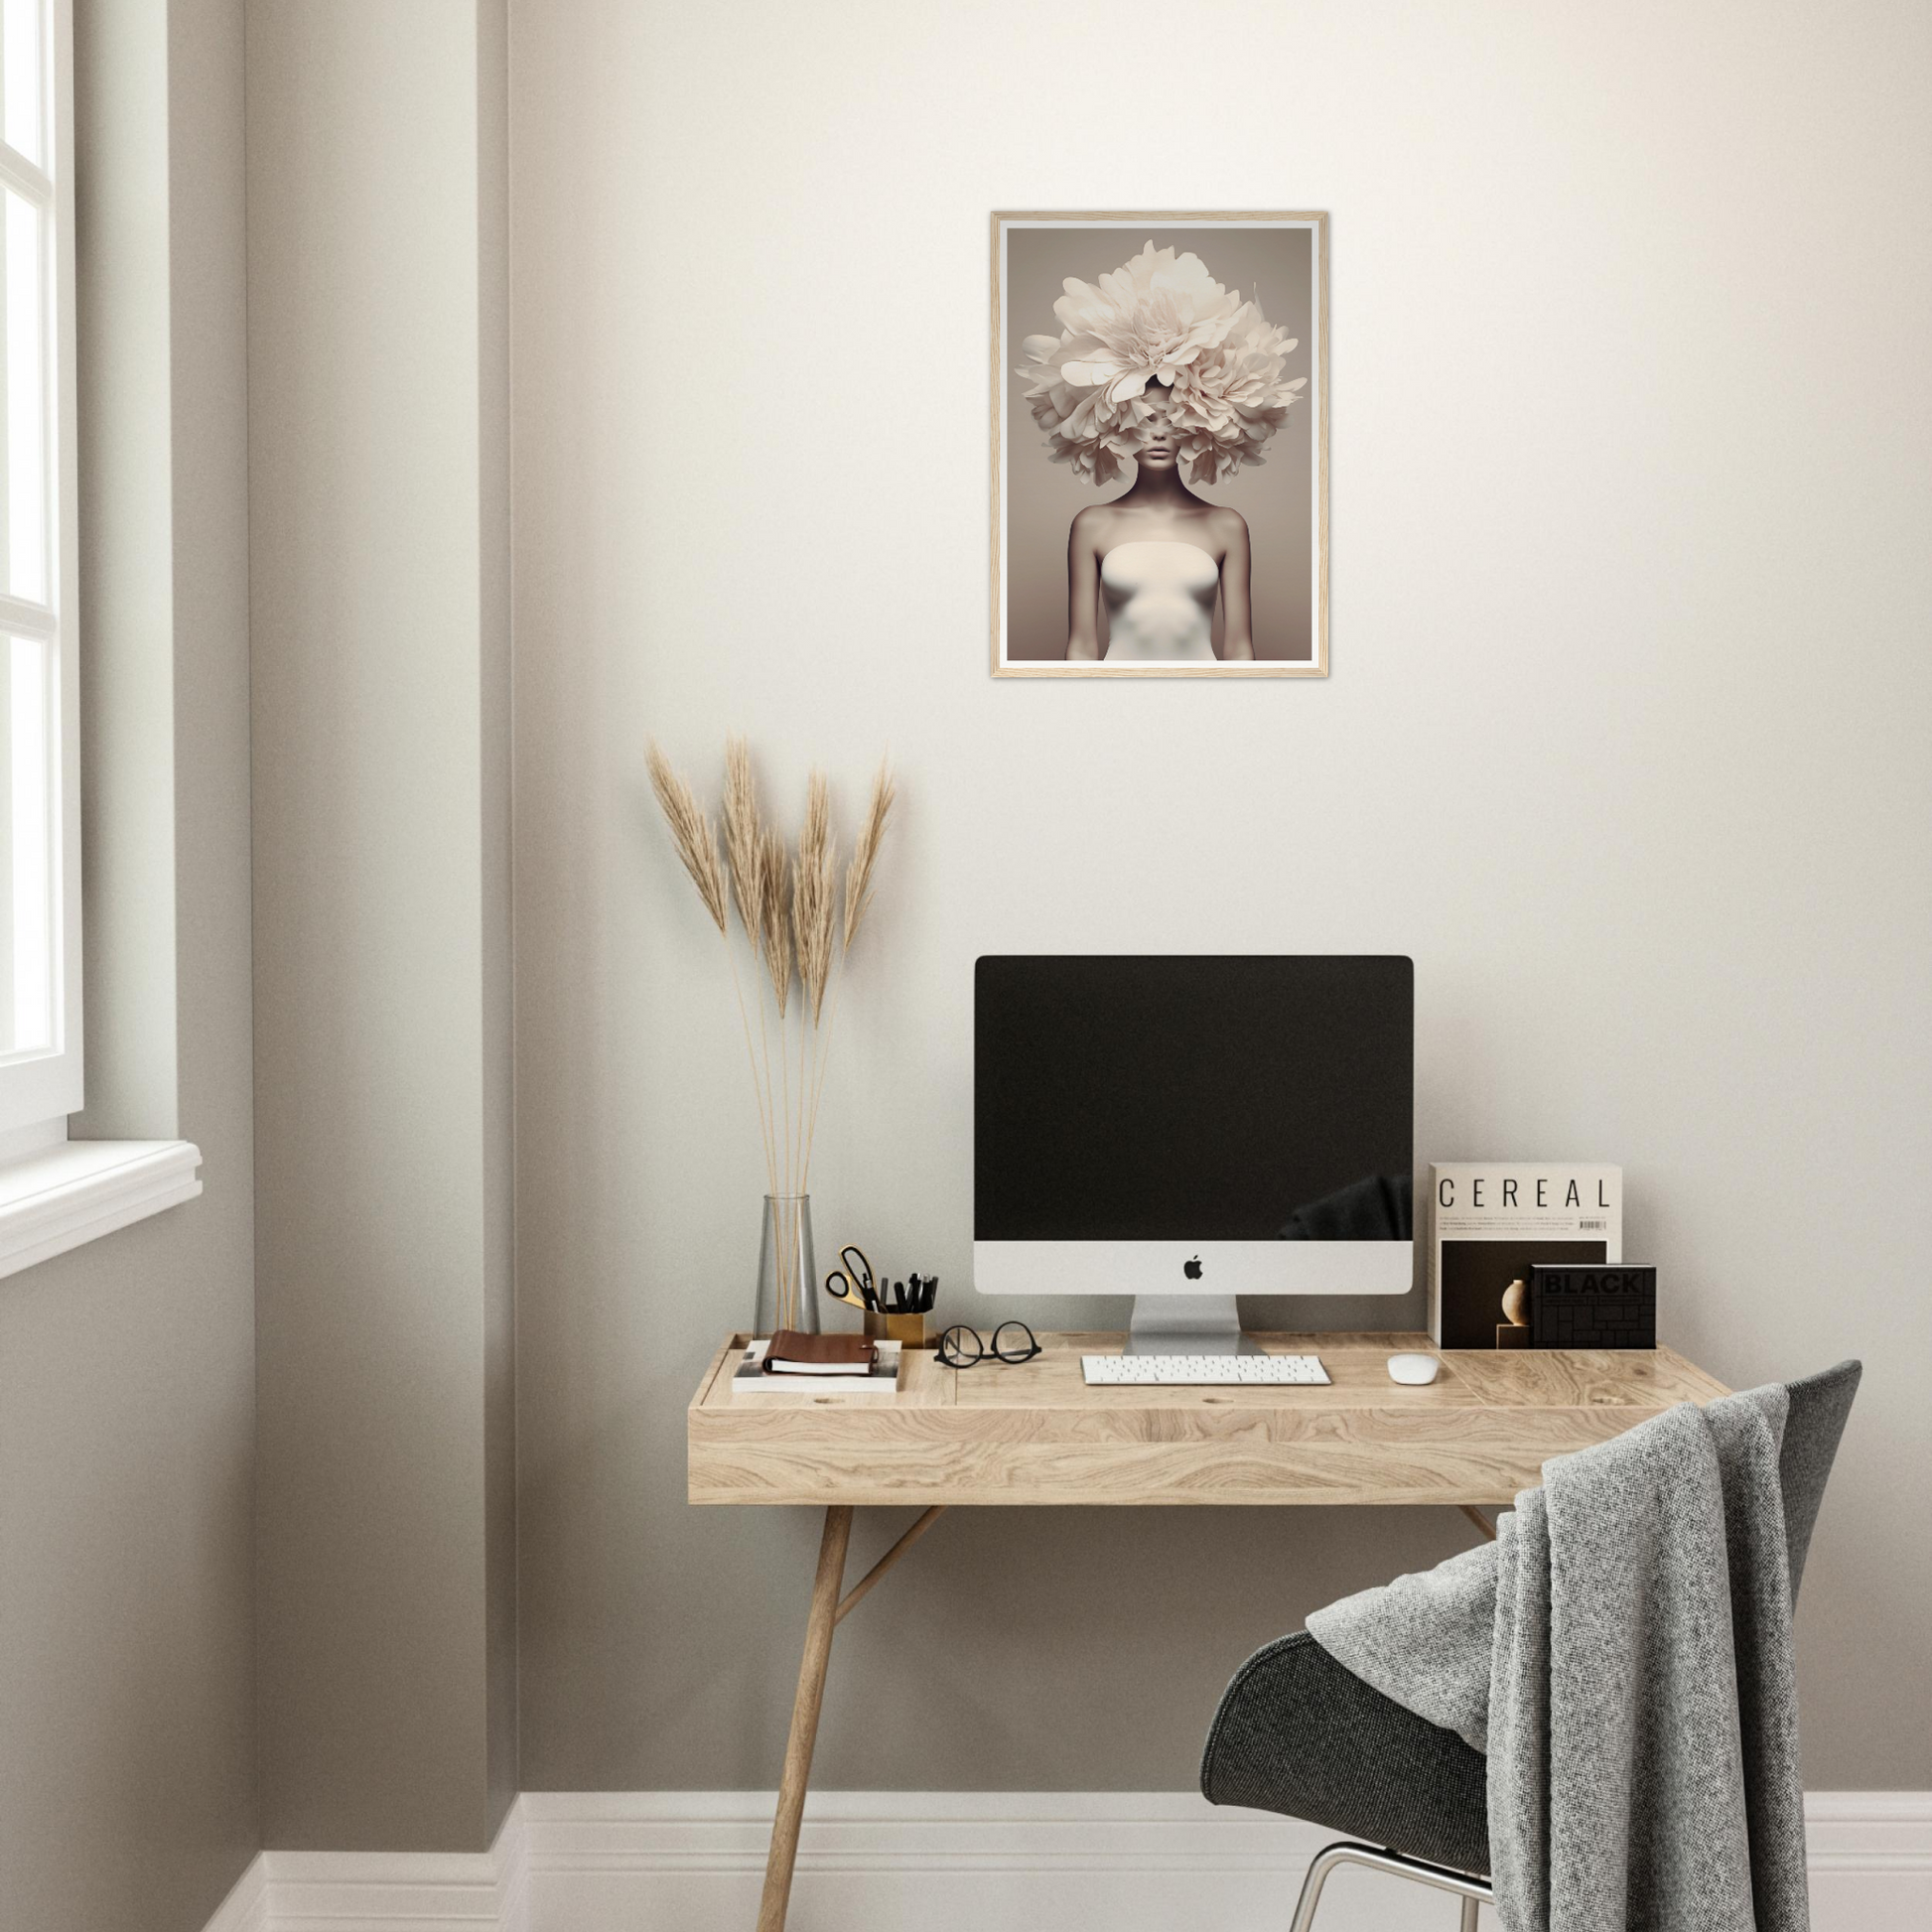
1186 1129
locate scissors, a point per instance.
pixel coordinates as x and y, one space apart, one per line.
852 1281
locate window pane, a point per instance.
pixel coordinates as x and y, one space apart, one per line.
26 404
26 849
21 56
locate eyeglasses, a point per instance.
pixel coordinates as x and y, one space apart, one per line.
1012 1341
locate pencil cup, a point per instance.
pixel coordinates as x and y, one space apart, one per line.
907 1329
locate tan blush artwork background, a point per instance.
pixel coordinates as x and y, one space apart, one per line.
1272 266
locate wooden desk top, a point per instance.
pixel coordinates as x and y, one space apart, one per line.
1033 1433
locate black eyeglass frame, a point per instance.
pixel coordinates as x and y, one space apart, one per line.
949 1356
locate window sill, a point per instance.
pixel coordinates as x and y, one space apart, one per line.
79 1190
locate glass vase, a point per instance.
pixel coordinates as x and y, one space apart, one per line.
787 1272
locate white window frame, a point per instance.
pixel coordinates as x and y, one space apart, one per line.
55 1194
38 1090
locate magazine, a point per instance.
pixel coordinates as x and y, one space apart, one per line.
1489 1221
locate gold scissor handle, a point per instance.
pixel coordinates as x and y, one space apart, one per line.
853 1285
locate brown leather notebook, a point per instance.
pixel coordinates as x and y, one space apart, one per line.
793 1353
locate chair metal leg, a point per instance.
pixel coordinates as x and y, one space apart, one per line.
1472 1891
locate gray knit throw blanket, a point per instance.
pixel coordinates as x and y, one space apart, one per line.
1622 1652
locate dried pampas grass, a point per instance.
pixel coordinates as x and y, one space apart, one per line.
743 847
814 895
864 852
691 832
787 911
774 917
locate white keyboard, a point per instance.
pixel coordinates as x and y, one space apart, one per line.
1201 1371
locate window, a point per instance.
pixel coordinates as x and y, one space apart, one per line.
55 1194
39 846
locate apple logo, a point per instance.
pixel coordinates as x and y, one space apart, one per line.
1191 1269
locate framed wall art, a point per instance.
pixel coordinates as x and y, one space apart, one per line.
1160 445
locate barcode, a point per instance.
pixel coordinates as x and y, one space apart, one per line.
1593 1224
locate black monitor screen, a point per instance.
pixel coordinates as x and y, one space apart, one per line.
1244 1098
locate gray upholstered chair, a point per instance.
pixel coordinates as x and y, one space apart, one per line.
1298 1733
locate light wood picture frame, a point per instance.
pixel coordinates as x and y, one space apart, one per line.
1108 340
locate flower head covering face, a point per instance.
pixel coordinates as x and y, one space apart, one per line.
1161 320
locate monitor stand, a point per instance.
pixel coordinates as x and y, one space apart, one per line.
1187 1324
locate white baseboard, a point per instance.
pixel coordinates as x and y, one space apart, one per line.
955 1862
245 1909
384 1892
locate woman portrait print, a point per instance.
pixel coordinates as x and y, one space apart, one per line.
1161 382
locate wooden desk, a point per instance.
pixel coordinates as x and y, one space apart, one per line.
1031 1434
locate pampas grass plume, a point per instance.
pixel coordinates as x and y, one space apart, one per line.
744 836
814 895
691 833
865 853
774 919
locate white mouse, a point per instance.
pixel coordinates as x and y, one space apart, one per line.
1415 1369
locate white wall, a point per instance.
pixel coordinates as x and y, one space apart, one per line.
1624 743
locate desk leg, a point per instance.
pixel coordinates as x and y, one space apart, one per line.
804 1719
